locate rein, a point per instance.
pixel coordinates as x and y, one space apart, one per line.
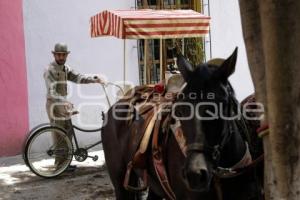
237 171
230 173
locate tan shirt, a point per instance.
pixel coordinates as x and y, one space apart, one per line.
56 77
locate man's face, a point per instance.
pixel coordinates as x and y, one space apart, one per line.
60 58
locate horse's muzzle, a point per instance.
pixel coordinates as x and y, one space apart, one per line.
196 173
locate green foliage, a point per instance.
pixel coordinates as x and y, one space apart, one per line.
194 50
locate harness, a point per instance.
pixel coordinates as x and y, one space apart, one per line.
155 121
153 126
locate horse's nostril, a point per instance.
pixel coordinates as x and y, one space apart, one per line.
196 180
183 173
204 175
201 175
196 173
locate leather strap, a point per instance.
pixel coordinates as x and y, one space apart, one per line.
127 179
137 130
229 173
159 164
148 131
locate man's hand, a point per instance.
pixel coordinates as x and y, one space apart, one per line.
100 80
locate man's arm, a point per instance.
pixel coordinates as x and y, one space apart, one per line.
82 78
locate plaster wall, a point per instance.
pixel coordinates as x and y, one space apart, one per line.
51 21
13 79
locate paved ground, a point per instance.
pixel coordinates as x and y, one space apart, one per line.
89 181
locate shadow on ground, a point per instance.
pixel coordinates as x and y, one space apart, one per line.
86 182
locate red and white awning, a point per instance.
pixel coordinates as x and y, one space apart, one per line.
150 24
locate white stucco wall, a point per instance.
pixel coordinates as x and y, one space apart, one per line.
226 34
49 21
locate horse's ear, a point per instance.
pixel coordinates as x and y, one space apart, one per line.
228 66
184 67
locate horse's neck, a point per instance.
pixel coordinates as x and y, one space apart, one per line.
234 149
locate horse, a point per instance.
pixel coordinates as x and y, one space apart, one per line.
213 144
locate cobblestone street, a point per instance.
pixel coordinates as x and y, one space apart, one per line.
89 181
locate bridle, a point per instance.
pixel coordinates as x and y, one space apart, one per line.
215 150
227 132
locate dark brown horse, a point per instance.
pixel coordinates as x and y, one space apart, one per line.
216 141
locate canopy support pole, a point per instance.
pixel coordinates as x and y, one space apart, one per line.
145 61
182 47
124 63
161 60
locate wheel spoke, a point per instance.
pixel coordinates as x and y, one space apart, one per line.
49 152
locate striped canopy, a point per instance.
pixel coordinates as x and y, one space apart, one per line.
149 24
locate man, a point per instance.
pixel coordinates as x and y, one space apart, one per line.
59 110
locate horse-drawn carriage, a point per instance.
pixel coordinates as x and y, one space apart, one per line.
189 142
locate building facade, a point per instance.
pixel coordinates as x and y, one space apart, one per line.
30 28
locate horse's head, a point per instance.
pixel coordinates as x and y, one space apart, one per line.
199 107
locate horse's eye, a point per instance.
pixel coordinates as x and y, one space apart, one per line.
207 111
183 110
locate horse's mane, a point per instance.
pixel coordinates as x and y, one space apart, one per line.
231 90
